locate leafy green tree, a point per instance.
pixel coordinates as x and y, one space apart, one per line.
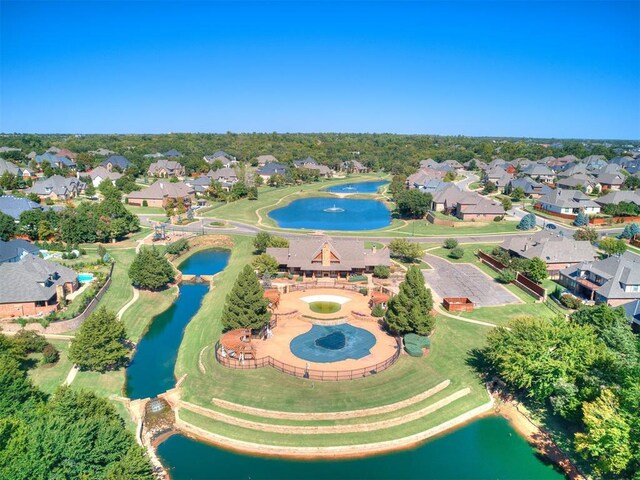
507 275
261 241
490 187
606 441
517 194
150 270
30 221
581 220
404 249
264 263
613 246
536 270
7 226
413 203
449 177
245 305
507 204
100 343
90 189
410 310
631 183
586 234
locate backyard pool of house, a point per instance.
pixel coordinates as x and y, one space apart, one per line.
359 187
333 343
333 214
85 277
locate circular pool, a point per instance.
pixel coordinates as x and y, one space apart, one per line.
324 307
333 343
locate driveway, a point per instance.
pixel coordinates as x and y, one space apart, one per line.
448 279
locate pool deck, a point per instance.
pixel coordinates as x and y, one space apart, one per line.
290 327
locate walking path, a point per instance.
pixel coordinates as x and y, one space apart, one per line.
71 376
136 295
327 429
365 412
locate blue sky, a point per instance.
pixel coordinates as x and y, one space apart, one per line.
563 69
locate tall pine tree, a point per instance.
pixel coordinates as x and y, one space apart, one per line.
410 310
100 343
245 305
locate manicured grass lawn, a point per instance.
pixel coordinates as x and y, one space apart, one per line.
50 377
145 210
102 384
139 315
469 252
119 292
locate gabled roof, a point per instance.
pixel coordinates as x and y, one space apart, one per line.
162 189
102 172
305 161
14 206
55 159
117 161
551 248
273 169
536 170
530 186
223 173
578 180
56 184
32 279
15 248
262 159
613 198
610 178
164 164
12 168
568 199
172 153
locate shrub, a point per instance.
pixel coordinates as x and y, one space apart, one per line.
450 243
499 218
456 253
364 291
30 341
358 278
178 246
377 311
50 354
581 220
381 271
101 251
570 301
507 275
145 203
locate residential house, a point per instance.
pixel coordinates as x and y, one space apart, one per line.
571 169
226 176
540 173
615 197
9 149
34 287
14 206
632 311
531 188
353 166
595 162
9 167
162 192
117 162
166 168
270 169
430 185
583 182
480 164
555 250
100 174
16 250
173 153
498 176
223 157
424 176
610 181
199 184
567 202
264 159
614 280
312 164
57 187
453 164
623 161
446 198
329 257
101 152
473 207
56 161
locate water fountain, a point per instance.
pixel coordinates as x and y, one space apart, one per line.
333 209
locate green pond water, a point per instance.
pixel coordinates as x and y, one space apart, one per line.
324 307
486 449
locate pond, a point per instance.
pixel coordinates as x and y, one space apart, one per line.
358 187
485 449
151 370
333 214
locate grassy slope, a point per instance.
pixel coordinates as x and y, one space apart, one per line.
50 377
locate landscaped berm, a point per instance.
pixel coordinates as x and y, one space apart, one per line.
345 343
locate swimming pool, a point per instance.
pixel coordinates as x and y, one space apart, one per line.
85 277
333 343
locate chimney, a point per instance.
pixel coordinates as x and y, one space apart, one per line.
326 255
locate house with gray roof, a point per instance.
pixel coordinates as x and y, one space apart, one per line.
498 176
15 250
100 174
33 286
540 173
581 181
270 169
353 166
567 202
172 153
264 159
166 168
554 249
632 311
329 257
615 197
101 152
117 162
312 164
531 188
161 193
225 158
610 181
56 161
14 206
225 176
9 167
614 280
57 187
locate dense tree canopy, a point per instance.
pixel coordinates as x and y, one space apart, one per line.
150 270
413 203
7 226
405 250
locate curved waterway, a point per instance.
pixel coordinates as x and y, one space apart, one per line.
151 370
486 449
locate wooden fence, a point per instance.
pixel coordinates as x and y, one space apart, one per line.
306 373
529 286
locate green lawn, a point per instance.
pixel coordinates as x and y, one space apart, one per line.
50 377
138 316
102 384
469 252
145 210
119 292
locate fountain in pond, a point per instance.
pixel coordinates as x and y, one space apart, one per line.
333 209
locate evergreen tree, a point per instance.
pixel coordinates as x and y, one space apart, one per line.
100 343
245 305
581 220
150 270
630 231
7 226
528 222
410 310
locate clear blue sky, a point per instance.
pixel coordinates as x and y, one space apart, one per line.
563 69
